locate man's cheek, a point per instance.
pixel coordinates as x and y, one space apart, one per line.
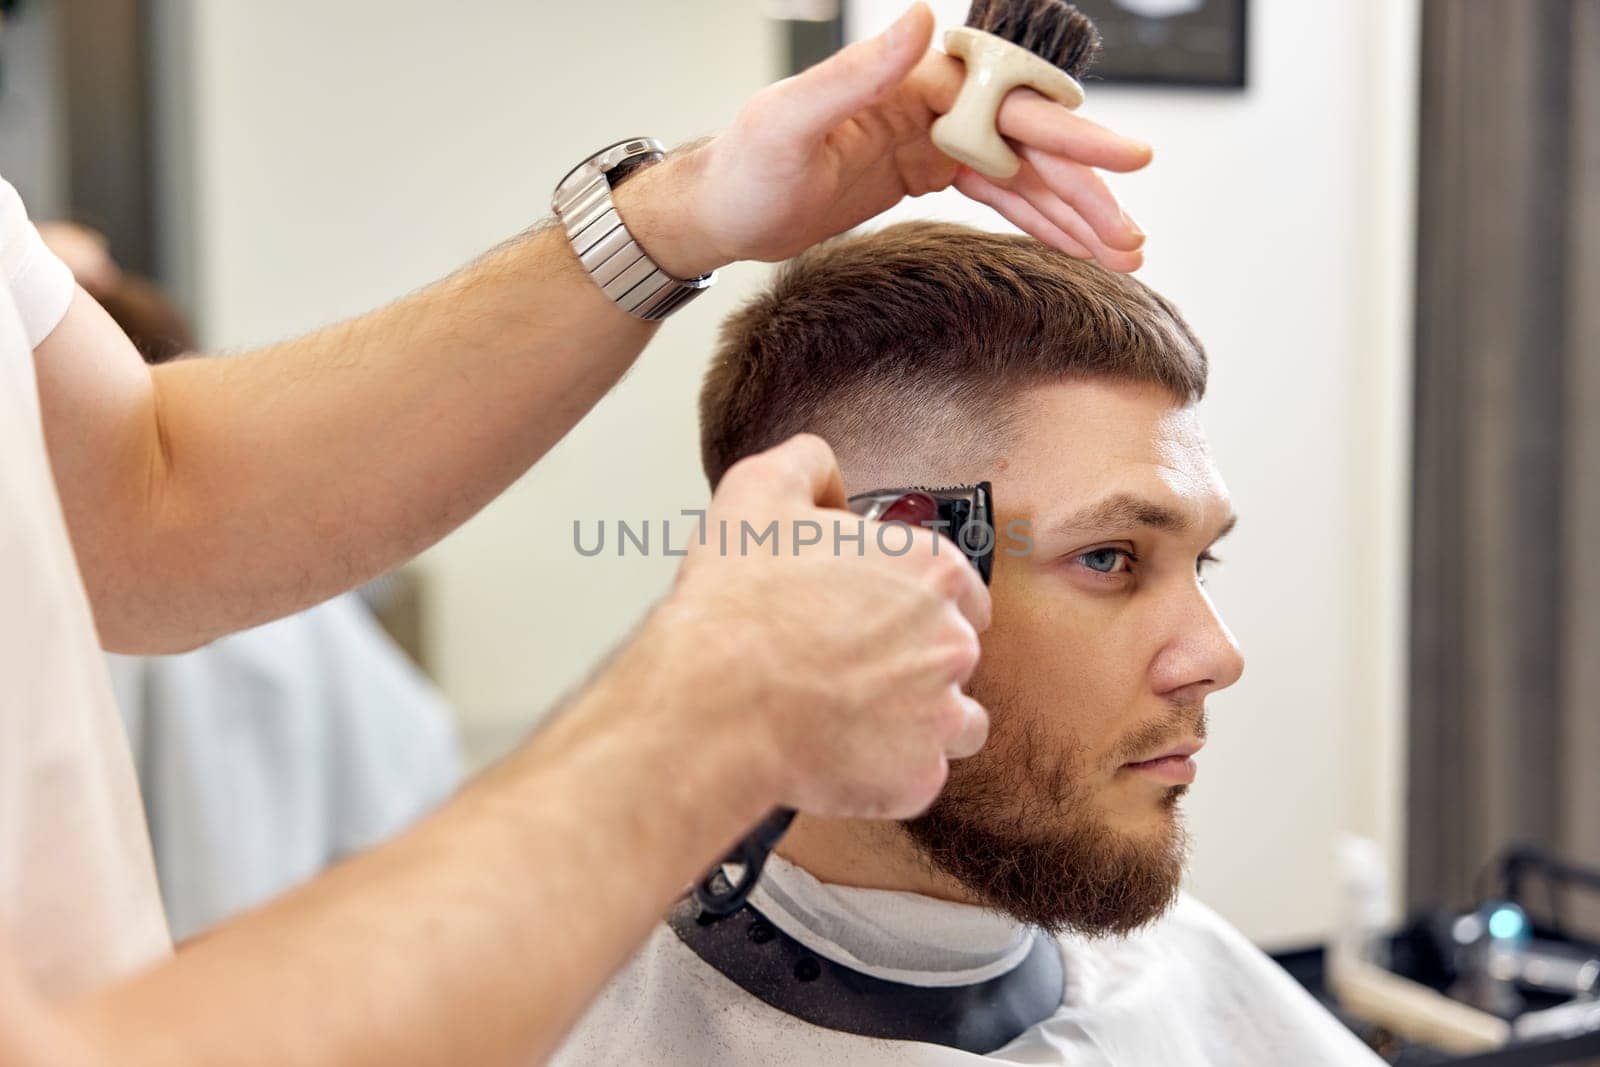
1049 640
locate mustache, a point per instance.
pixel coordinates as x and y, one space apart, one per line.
1183 720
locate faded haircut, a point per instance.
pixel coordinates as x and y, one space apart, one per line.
902 338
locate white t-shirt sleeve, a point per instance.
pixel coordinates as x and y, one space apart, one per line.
41 285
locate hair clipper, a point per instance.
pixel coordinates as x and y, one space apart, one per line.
965 514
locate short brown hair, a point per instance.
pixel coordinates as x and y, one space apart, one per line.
873 334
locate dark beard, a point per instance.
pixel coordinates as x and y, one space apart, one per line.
1026 843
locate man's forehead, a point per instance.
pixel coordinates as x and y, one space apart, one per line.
1207 517
1057 443
1094 415
1110 454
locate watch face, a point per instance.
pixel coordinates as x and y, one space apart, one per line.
634 149
623 151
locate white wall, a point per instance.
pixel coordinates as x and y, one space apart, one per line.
1279 221
343 153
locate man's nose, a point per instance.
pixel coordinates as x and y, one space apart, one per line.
1201 655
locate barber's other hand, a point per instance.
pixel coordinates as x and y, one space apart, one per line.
844 671
825 150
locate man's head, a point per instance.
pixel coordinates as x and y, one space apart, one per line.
935 354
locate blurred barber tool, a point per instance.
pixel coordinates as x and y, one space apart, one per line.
1503 982
1365 914
1045 45
965 514
1490 945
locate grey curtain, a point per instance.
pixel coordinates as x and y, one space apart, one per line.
1505 604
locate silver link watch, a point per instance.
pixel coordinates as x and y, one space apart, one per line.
608 251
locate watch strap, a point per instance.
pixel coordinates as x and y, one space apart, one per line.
610 254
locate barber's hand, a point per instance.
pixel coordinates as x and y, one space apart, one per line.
827 149
846 670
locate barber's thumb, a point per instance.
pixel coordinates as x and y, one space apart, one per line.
838 87
974 729
813 470
909 34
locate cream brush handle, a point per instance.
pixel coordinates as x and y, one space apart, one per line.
995 66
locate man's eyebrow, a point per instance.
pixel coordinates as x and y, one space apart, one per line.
1125 509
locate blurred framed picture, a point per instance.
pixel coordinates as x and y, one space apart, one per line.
1147 42
1170 42
813 29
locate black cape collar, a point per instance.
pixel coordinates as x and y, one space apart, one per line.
750 951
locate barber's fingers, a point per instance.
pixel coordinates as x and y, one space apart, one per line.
956 580
974 729
1037 210
1067 217
1023 214
1081 187
1031 119
804 108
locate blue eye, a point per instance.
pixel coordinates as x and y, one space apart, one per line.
1105 560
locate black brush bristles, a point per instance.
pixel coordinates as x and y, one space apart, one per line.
1051 29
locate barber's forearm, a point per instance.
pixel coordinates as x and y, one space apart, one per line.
296 472
225 492
479 937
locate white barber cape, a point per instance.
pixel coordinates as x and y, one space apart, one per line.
271 753
1188 990
78 900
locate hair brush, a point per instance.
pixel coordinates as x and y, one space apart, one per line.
1045 45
